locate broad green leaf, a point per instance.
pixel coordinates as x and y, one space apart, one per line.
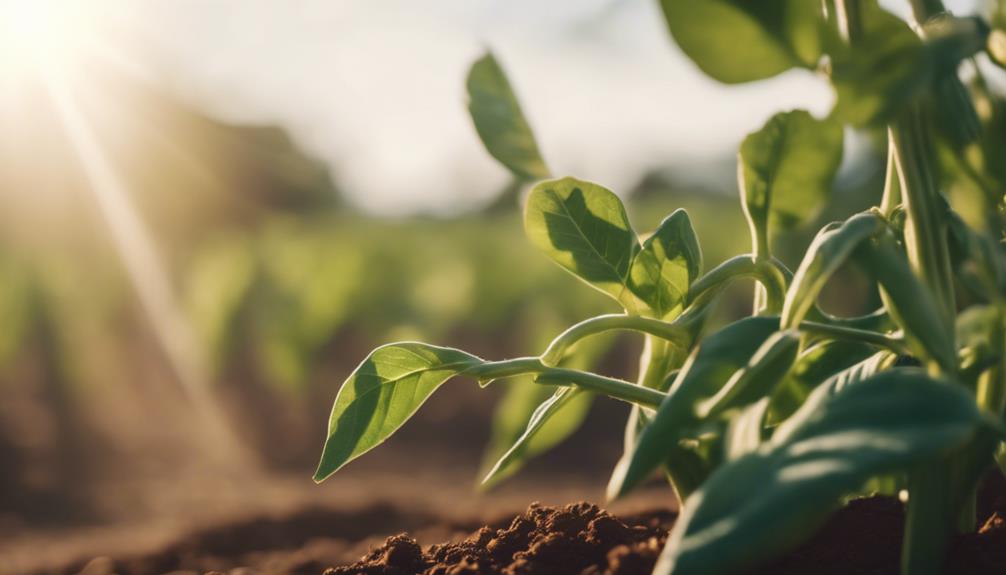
708 369
668 263
890 65
544 430
832 246
813 367
740 41
382 394
764 503
766 368
499 121
746 432
786 169
584 228
910 302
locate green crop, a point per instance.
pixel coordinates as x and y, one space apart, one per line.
764 426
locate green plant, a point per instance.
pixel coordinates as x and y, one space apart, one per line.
763 426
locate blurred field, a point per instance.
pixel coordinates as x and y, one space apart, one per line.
282 289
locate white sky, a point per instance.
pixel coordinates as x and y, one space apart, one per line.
375 88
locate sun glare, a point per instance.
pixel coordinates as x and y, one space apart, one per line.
36 35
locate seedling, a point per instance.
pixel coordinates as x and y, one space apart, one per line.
763 426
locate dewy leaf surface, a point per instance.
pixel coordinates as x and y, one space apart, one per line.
668 263
584 228
766 502
384 392
786 169
740 40
500 122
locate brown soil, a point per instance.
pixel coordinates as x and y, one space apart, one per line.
578 538
863 538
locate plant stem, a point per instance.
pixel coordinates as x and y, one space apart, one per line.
925 226
892 187
931 515
506 368
929 522
685 469
895 344
614 388
765 271
669 331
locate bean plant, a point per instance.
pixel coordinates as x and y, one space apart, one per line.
765 426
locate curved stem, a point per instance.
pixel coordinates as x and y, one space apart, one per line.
672 332
491 370
614 388
895 344
766 271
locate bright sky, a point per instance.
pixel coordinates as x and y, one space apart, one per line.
375 88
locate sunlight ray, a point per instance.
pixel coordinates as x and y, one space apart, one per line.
143 265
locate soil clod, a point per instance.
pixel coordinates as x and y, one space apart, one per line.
575 539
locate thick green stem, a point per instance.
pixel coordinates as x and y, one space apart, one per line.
929 521
925 226
931 515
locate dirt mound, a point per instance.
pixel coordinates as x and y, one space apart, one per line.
862 538
575 539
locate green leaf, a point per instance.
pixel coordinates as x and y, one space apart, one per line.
552 422
832 246
740 41
499 121
746 432
786 169
767 367
382 394
766 502
813 367
668 263
910 302
706 371
882 71
584 228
